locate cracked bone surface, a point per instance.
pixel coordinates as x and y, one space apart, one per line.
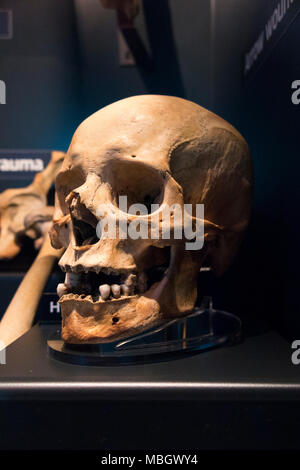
24 211
155 150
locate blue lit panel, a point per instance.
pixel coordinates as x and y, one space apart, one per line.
6 24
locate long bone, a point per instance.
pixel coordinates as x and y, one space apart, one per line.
19 315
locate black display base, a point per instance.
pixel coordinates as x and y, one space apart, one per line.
202 329
242 397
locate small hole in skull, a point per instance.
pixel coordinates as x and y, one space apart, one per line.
133 156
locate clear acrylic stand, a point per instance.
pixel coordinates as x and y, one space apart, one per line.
202 329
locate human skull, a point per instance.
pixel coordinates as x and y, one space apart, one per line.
153 149
24 211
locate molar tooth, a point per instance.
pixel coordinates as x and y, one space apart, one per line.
126 290
104 290
61 290
116 290
131 280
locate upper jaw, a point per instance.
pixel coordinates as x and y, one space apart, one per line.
105 284
101 284
79 268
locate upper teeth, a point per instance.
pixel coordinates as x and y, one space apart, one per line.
131 280
78 283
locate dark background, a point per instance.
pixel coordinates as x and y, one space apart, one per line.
62 64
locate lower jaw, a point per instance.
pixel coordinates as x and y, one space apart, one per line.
88 322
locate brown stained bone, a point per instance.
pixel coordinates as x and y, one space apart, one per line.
22 208
38 223
153 149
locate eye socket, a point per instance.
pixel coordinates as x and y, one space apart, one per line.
135 197
139 182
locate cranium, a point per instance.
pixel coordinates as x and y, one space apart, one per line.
153 149
24 211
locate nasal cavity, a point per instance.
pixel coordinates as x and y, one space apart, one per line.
84 223
84 233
